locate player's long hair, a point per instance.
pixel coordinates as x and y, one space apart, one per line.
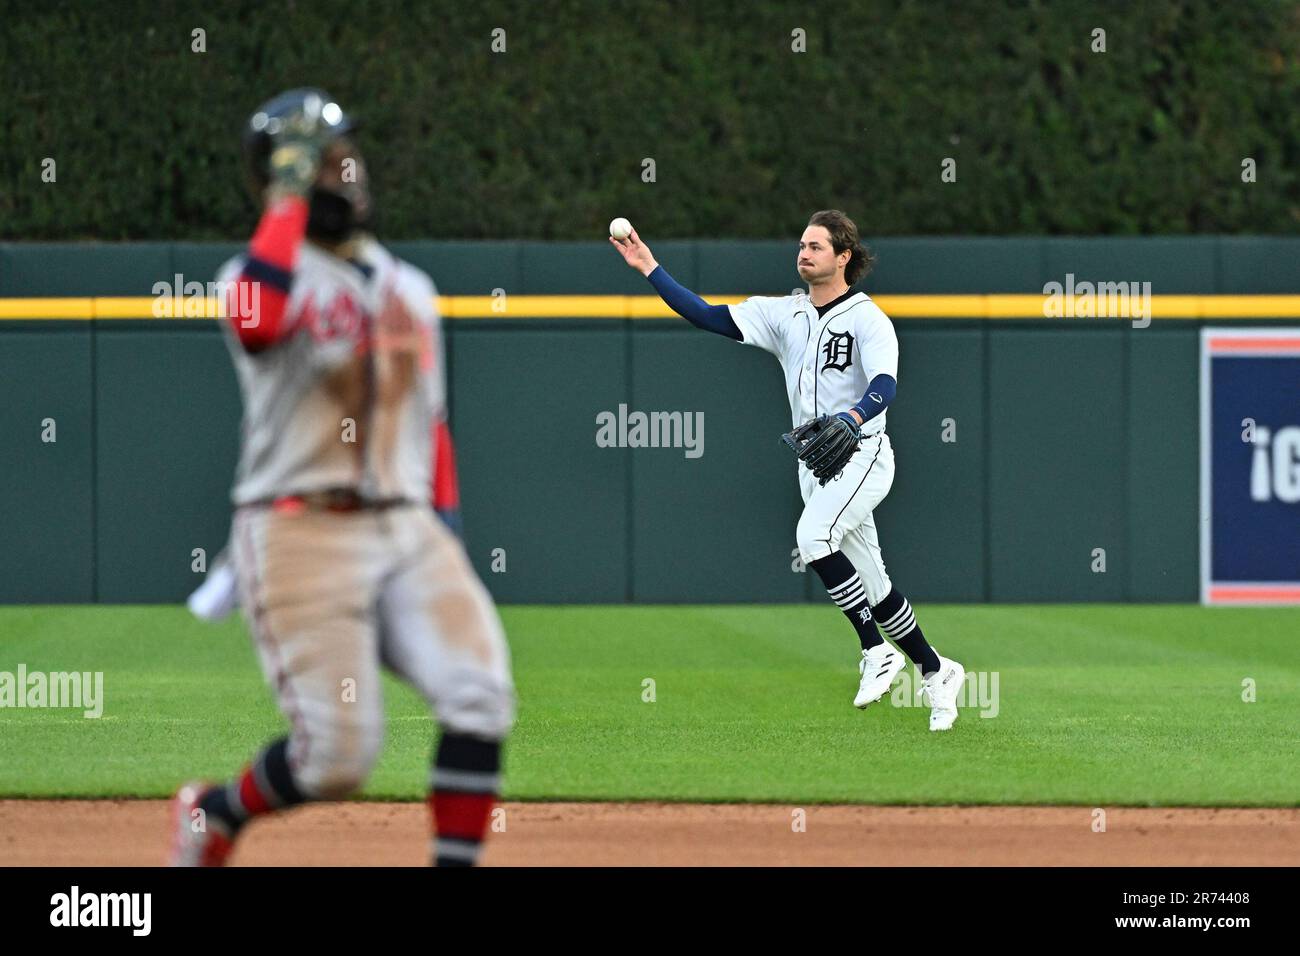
844 235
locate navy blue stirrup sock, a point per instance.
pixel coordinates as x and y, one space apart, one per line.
897 620
265 786
846 590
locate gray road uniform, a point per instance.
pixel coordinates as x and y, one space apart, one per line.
343 566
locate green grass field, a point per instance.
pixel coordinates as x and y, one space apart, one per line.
1097 704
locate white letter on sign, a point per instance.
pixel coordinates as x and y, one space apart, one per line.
1286 465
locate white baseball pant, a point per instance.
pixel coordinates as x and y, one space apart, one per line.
837 516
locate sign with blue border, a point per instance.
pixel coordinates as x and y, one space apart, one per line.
1250 466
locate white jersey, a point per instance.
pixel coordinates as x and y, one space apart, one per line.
343 400
828 361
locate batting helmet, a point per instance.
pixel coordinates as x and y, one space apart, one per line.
268 120
334 214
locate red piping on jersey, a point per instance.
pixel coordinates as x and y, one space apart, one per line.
257 304
446 487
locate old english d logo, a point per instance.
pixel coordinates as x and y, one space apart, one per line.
838 350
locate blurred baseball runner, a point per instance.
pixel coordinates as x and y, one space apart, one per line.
342 566
840 358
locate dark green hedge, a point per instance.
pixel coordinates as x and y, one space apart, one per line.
547 139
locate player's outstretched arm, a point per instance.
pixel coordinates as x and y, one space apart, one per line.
259 299
711 318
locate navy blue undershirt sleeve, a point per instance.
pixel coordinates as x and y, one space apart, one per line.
711 318
880 392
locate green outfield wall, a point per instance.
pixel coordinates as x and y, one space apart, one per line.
1070 434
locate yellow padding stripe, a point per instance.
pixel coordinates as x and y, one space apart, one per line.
994 306
46 308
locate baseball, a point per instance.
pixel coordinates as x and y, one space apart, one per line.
620 228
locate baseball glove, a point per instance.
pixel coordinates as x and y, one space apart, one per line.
825 445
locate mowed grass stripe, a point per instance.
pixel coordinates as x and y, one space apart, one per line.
1097 705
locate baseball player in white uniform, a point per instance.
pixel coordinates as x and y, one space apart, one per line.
342 566
840 357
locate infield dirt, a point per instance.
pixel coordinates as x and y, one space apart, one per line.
136 832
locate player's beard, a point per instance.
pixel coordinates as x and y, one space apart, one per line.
332 218
812 277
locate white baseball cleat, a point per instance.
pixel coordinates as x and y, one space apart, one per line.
879 666
941 690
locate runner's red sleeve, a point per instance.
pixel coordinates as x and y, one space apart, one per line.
258 301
